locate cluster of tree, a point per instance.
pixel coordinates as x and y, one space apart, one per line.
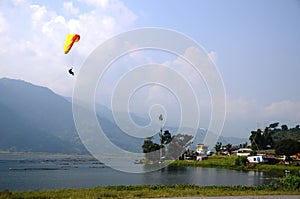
285 141
261 139
170 147
287 147
228 148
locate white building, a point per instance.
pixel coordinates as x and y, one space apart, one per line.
269 159
255 159
243 152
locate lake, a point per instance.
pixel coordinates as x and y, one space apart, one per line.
36 171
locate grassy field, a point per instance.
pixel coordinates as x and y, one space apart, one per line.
150 191
226 162
229 162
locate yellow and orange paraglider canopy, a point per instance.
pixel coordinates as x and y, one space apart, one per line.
70 39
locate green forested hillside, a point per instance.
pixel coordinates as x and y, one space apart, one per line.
271 135
292 133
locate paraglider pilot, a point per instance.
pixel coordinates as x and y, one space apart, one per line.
71 71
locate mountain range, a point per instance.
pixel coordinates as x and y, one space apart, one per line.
35 119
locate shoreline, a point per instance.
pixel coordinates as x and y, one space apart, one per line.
156 191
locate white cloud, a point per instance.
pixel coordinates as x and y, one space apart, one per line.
243 108
3 24
98 3
34 38
18 1
244 115
284 109
70 9
38 13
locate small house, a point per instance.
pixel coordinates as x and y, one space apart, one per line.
243 152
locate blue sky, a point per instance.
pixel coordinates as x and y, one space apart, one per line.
255 45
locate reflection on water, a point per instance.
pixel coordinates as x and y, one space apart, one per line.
208 177
48 171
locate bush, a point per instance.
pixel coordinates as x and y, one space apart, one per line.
253 153
241 161
290 182
5 194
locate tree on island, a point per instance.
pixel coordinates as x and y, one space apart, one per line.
151 149
170 146
178 146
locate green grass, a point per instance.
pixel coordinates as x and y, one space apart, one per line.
149 191
228 162
274 168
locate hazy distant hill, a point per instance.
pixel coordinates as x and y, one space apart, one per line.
34 118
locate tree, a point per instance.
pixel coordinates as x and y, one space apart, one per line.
267 139
151 149
284 127
274 125
174 145
253 153
218 147
261 139
287 147
241 161
256 139
166 137
244 145
228 148
178 145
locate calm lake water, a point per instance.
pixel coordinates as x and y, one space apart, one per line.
52 171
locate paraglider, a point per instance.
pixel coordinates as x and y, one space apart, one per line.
70 40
